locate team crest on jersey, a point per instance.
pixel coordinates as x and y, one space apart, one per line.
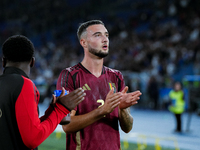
112 85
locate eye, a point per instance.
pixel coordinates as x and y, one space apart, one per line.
97 35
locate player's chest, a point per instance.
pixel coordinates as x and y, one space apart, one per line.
101 85
96 90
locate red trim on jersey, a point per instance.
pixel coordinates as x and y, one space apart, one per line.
34 131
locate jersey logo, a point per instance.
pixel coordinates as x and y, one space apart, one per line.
86 87
112 85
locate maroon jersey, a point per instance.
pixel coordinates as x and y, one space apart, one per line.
103 134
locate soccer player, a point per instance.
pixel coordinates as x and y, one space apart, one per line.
20 126
94 122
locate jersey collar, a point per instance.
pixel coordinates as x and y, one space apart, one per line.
14 70
102 72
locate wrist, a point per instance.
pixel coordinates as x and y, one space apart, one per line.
101 112
122 109
58 101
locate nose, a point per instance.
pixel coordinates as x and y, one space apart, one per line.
105 38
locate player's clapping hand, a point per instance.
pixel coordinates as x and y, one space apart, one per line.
54 98
111 102
72 99
129 99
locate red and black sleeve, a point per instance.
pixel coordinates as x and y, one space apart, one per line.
32 130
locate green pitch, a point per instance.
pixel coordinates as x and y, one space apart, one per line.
56 141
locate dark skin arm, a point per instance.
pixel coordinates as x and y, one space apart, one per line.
81 121
125 118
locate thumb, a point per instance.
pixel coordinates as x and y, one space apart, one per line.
53 99
73 112
63 92
125 90
110 92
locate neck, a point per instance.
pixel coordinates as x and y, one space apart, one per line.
93 65
23 66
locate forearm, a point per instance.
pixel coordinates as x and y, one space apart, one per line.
32 130
125 119
47 113
81 121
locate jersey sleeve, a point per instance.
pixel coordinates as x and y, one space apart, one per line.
65 80
121 83
32 130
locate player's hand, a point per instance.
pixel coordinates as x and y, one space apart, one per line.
129 99
111 102
72 99
54 98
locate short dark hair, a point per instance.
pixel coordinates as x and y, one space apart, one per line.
83 26
18 48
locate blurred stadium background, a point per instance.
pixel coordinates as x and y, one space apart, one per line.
153 43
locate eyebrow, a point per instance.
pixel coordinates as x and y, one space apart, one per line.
100 33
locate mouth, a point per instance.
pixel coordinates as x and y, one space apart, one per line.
105 47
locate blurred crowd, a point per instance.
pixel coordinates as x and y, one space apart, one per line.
146 36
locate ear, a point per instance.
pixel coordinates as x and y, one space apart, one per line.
32 62
4 62
83 43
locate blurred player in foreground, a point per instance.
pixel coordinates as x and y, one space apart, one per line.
20 126
94 122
